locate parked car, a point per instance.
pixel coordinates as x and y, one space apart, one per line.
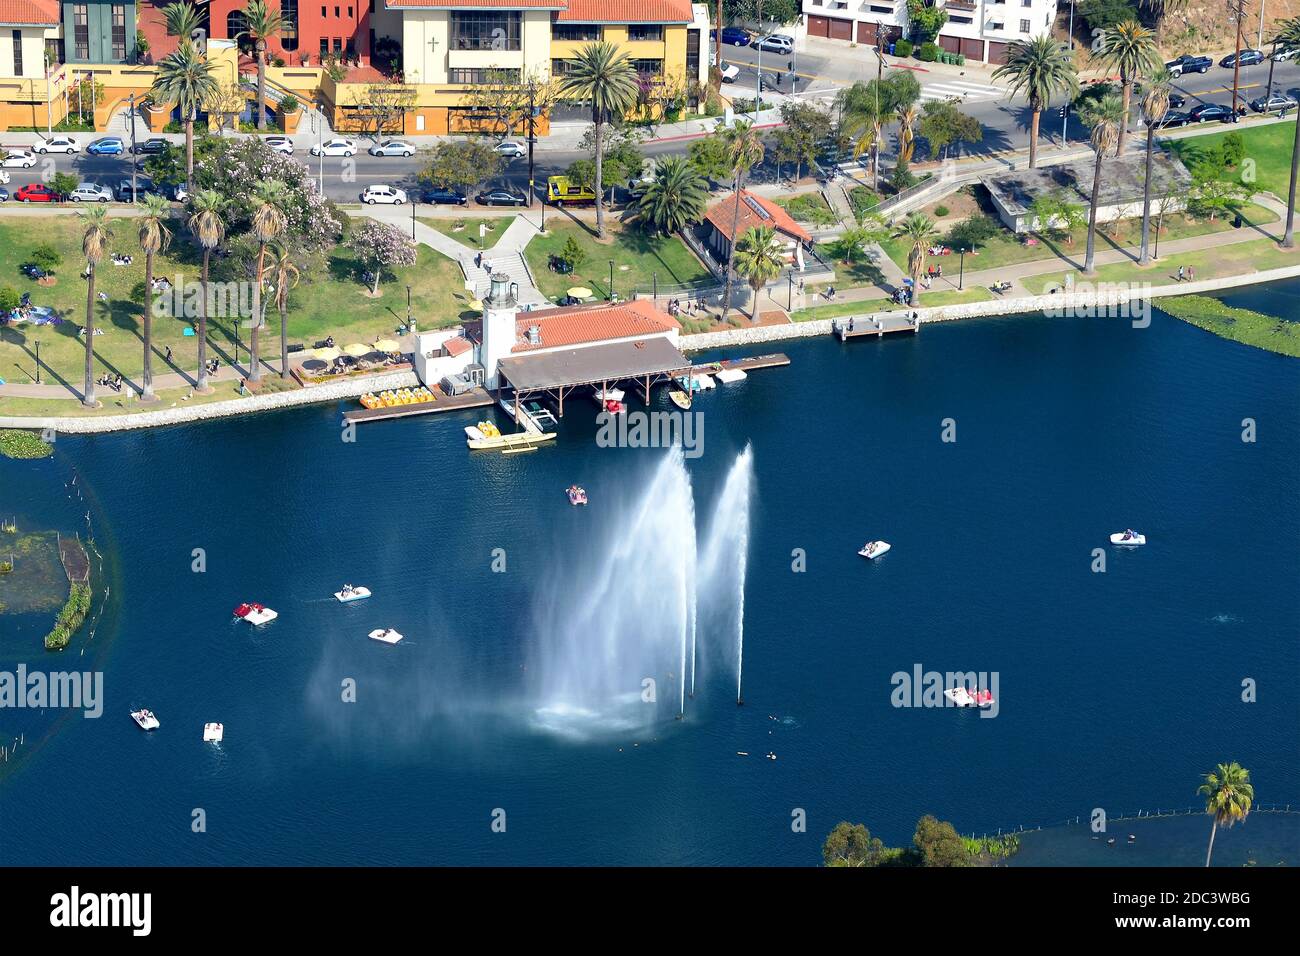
150 147
281 144
392 147
383 194
1210 111
510 149
106 146
501 197
1286 53
176 193
1189 64
1248 58
91 192
143 185
1277 103
776 43
441 196
19 158
1177 101
4 194
729 73
58 144
4 177
335 147
732 35
36 192
1175 118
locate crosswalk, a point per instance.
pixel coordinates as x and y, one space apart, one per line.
962 90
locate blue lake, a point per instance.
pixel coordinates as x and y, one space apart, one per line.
1115 689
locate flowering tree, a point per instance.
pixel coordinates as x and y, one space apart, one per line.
381 246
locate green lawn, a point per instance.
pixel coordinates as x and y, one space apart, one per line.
468 233
808 207
929 300
637 257
329 300
1268 147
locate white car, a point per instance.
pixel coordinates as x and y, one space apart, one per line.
392 147
19 158
90 192
730 72
335 147
384 194
1286 53
776 43
509 148
58 144
4 178
281 144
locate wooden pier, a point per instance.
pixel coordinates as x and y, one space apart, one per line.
76 564
474 398
749 363
878 325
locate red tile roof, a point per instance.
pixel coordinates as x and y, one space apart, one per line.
29 12
626 11
722 213
588 324
477 4
457 346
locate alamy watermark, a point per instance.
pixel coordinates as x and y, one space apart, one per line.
652 430
1101 300
37 690
181 299
921 688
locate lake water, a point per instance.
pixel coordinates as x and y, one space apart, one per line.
1115 690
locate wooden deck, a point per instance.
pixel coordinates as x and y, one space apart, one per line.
749 363
76 564
474 398
869 325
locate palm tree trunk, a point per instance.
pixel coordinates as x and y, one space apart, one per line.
261 97
146 393
1123 125
1214 828
916 282
1033 135
189 155
284 343
731 252
202 385
1145 257
1288 240
1092 215
88 392
255 372
600 177
378 273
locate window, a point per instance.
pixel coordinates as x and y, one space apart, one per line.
18 53
119 32
80 32
877 8
350 51
956 19
1024 26
324 48
289 32
692 54
349 13
485 30
561 67
1026 3
323 13
336 13
648 67
997 25
575 31
481 77
338 45
645 31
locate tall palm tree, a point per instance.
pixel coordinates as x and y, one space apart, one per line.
921 233
1228 796
269 221
182 19
865 126
744 151
604 77
675 198
1288 38
188 80
1155 104
154 236
1105 117
94 243
261 24
908 118
759 258
1038 69
284 276
1130 48
208 228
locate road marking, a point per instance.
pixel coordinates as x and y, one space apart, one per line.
962 91
1226 89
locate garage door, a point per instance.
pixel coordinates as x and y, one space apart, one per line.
841 29
950 44
867 34
972 49
819 26
998 52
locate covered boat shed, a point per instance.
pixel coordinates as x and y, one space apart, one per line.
558 372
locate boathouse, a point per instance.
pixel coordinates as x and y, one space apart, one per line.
724 226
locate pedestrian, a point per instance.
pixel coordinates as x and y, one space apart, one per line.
801 286
169 354
1191 274
1180 273
478 260
242 388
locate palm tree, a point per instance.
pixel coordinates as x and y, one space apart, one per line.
908 118
261 23
269 221
744 151
284 276
188 80
920 232
1105 117
1039 69
1130 48
154 237
208 228
865 126
674 199
94 243
1288 38
182 20
760 259
604 77
1228 795
1155 104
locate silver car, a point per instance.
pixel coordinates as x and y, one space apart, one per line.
281 144
392 147
91 192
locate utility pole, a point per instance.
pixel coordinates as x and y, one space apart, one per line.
1065 110
1240 10
49 109
758 83
880 78
134 160
1261 26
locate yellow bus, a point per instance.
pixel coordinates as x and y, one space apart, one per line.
560 189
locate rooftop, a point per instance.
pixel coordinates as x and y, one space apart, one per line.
29 12
754 211
592 365
1122 181
571 11
584 324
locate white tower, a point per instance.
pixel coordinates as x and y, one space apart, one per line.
499 311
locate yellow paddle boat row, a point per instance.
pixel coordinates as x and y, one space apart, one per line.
489 430
401 396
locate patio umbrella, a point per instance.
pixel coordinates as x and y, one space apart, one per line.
328 354
476 305
387 345
313 365
581 292
356 349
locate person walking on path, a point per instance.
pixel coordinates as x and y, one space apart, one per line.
1180 273
1191 274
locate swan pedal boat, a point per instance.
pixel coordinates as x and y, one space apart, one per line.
385 634
213 733
255 614
874 549
1123 537
145 719
355 594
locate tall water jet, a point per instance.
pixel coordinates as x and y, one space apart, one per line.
727 553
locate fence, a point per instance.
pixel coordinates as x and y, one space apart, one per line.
1139 815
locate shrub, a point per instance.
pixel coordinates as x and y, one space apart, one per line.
929 52
69 619
47 257
289 105
941 211
9 299
903 48
975 231
1234 149
16 444
573 254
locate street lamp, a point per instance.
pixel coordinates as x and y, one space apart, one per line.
408 308
611 280
414 202
38 361
134 160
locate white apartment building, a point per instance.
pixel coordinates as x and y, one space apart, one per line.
978 29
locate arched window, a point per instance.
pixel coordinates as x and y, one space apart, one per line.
236 23
289 34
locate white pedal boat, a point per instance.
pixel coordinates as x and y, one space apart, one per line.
473 433
255 614
212 733
874 549
964 698
1129 537
145 719
385 634
729 375
349 593
607 395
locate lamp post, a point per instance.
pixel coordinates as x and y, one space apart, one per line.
611 280
789 307
49 109
961 270
408 309
654 279
414 203
38 361
134 161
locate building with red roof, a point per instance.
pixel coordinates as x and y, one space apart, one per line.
728 221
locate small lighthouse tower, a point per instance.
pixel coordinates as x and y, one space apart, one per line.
499 311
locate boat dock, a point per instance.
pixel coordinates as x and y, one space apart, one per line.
878 325
749 363
76 564
474 398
